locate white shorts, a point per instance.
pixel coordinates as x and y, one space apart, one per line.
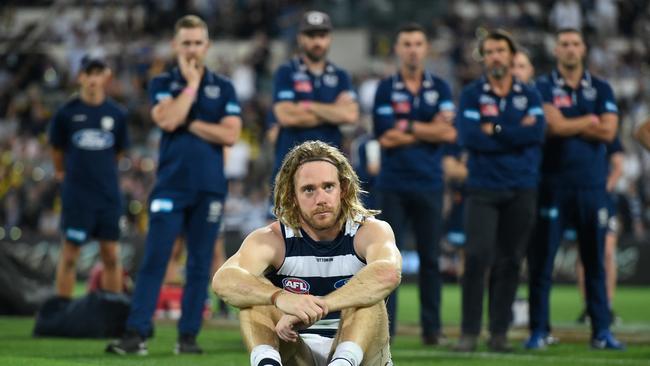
319 346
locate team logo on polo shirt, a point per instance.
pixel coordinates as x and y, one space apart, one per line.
401 102
107 123
488 106
589 93
212 91
431 97
295 285
520 102
93 139
331 80
302 86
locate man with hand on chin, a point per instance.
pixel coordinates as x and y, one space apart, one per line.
199 115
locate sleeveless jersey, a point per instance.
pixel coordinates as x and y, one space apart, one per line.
318 268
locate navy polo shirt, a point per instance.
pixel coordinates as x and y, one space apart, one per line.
415 167
90 137
575 162
293 82
508 159
188 162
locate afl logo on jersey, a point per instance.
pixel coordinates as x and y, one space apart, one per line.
92 139
295 285
107 123
341 282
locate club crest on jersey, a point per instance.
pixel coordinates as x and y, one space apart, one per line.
295 285
431 97
212 91
341 282
589 93
331 80
107 123
520 102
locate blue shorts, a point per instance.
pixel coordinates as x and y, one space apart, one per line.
79 225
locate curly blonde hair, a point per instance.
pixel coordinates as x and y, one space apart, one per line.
286 204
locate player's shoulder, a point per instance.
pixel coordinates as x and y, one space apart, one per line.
70 104
545 80
270 234
165 76
116 107
438 81
285 67
335 69
599 83
373 224
474 87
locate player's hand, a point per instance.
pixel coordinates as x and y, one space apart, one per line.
308 308
189 71
487 128
59 176
445 116
529 120
287 328
595 119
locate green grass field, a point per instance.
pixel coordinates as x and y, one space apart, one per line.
223 345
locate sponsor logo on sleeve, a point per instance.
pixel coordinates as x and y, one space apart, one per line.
161 205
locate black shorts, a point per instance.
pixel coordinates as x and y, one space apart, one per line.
79 225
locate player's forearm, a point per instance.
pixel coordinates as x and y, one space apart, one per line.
603 132
58 160
642 134
435 132
337 113
566 127
241 289
170 115
221 134
293 115
395 138
369 286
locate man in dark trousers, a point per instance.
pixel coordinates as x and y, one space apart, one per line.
199 115
501 125
413 114
582 118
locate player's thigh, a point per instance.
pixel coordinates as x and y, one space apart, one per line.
77 224
107 224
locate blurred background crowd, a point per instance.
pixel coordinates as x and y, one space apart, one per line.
42 43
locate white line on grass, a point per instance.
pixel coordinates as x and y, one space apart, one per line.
515 357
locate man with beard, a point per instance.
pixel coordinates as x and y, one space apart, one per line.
413 114
311 285
501 124
582 118
311 96
199 115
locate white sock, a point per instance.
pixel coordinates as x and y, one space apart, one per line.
347 354
264 352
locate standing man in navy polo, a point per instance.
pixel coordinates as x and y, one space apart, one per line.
199 115
88 135
582 118
501 124
311 96
413 114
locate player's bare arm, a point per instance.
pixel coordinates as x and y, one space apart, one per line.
441 129
241 283
604 130
376 243
290 114
225 133
395 138
58 159
171 113
642 134
558 125
345 110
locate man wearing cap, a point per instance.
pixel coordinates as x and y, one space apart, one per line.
88 134
198 112
311 96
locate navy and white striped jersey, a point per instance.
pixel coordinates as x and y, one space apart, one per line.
318 268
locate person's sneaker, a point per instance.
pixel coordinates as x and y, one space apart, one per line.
187 344
551 340
466 343
499 343
131 343
537 340
434 339
606 340
583 318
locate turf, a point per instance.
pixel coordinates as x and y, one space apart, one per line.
223 345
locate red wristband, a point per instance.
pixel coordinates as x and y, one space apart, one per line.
305 104
402 125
